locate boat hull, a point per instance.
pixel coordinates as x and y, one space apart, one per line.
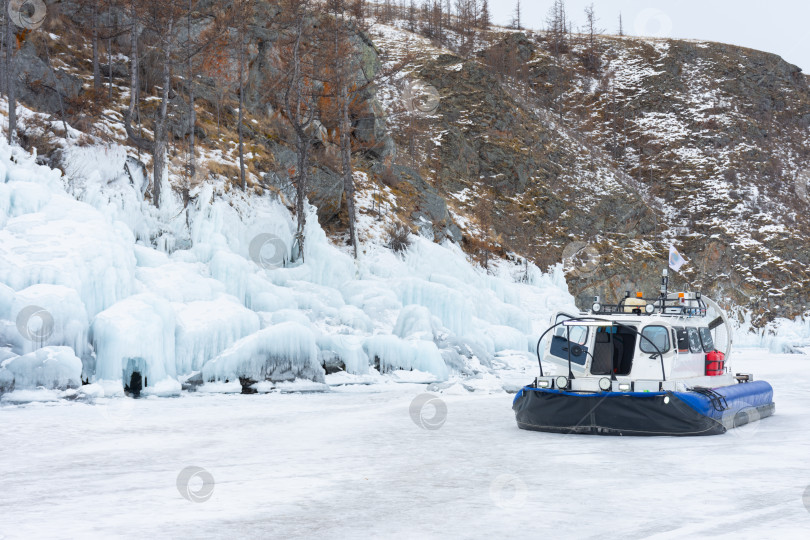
688 413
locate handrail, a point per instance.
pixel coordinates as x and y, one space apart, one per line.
587 319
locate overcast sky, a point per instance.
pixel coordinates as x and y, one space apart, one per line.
777 26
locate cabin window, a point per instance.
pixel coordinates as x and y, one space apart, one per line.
694 341
683 339
658 335
706 339
579 334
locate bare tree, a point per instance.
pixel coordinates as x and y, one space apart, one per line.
134 36
161 19
192 112
340 75
243 12
412 15
467 15
11 76
557 31
517 23
590 56
94 34
299 105
485 19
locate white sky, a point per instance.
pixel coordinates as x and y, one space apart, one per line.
777 26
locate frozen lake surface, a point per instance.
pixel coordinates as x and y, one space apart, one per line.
353 463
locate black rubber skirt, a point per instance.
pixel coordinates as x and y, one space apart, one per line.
611 413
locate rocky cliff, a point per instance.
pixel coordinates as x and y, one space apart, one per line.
700 145
512 151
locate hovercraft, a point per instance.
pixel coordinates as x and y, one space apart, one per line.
642 367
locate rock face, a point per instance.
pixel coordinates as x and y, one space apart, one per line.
598 165
38 85
700 145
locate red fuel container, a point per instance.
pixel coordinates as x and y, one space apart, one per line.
715 363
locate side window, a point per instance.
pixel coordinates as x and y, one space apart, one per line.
694 341
658 335
579 334
706 339
683 339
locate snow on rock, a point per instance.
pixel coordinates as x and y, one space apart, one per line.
94 163
206 328
393 353
136 334
282 352
48 367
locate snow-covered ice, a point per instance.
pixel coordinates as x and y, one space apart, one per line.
353 463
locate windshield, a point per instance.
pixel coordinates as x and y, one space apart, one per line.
658 335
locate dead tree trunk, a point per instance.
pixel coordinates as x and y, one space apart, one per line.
242 181
94 34
346 162
300 114
11 79
192 112
134 82
161 128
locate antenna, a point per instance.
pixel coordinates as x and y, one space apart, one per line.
664 284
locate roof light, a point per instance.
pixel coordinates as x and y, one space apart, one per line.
587 323
543 384
639 295
596 307
681 295
604 384
650 308
624 387
561 382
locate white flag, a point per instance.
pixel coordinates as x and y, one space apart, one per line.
675 259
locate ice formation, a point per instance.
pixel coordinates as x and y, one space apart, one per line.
282 352
50 367
392 353
175 292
